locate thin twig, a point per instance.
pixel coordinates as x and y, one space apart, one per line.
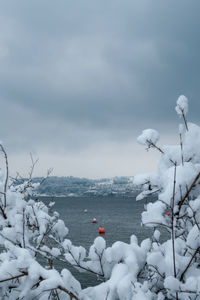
23 229
6 180
180 203
193 256
184 118
14 277
151 144
181 144
172 217
172 232
26 274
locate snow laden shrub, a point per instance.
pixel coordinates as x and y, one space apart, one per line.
33 237
155 269
27 229
173 267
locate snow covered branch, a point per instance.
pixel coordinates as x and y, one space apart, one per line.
174 265
33 236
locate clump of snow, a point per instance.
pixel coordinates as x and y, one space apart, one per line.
182 105
148 137
154 214
172 283
156 235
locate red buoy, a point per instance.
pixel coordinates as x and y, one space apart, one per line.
94 220
168 214
101 230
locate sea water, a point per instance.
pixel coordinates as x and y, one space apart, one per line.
120 216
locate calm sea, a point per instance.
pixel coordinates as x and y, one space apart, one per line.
120 216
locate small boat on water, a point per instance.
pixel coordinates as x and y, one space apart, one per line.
85 210
94 220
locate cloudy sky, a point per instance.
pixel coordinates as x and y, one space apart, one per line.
80 79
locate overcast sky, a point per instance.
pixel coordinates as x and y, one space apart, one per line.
80 80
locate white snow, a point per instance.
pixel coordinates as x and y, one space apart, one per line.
148 137
182 105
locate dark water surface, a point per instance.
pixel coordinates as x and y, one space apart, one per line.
120 216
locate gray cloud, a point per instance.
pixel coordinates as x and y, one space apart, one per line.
78 74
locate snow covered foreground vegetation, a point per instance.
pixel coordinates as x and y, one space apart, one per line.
33 238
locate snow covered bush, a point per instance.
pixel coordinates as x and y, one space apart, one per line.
173 267
32 237
26 230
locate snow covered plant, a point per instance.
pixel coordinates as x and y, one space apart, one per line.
155 269
26 229
32 237
173 267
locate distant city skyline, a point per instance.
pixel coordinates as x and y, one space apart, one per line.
80 80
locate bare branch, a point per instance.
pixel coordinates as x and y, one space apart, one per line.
41 279
180 203
14 277
172 218
49 171
7 173
151 144
181 144
193 256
